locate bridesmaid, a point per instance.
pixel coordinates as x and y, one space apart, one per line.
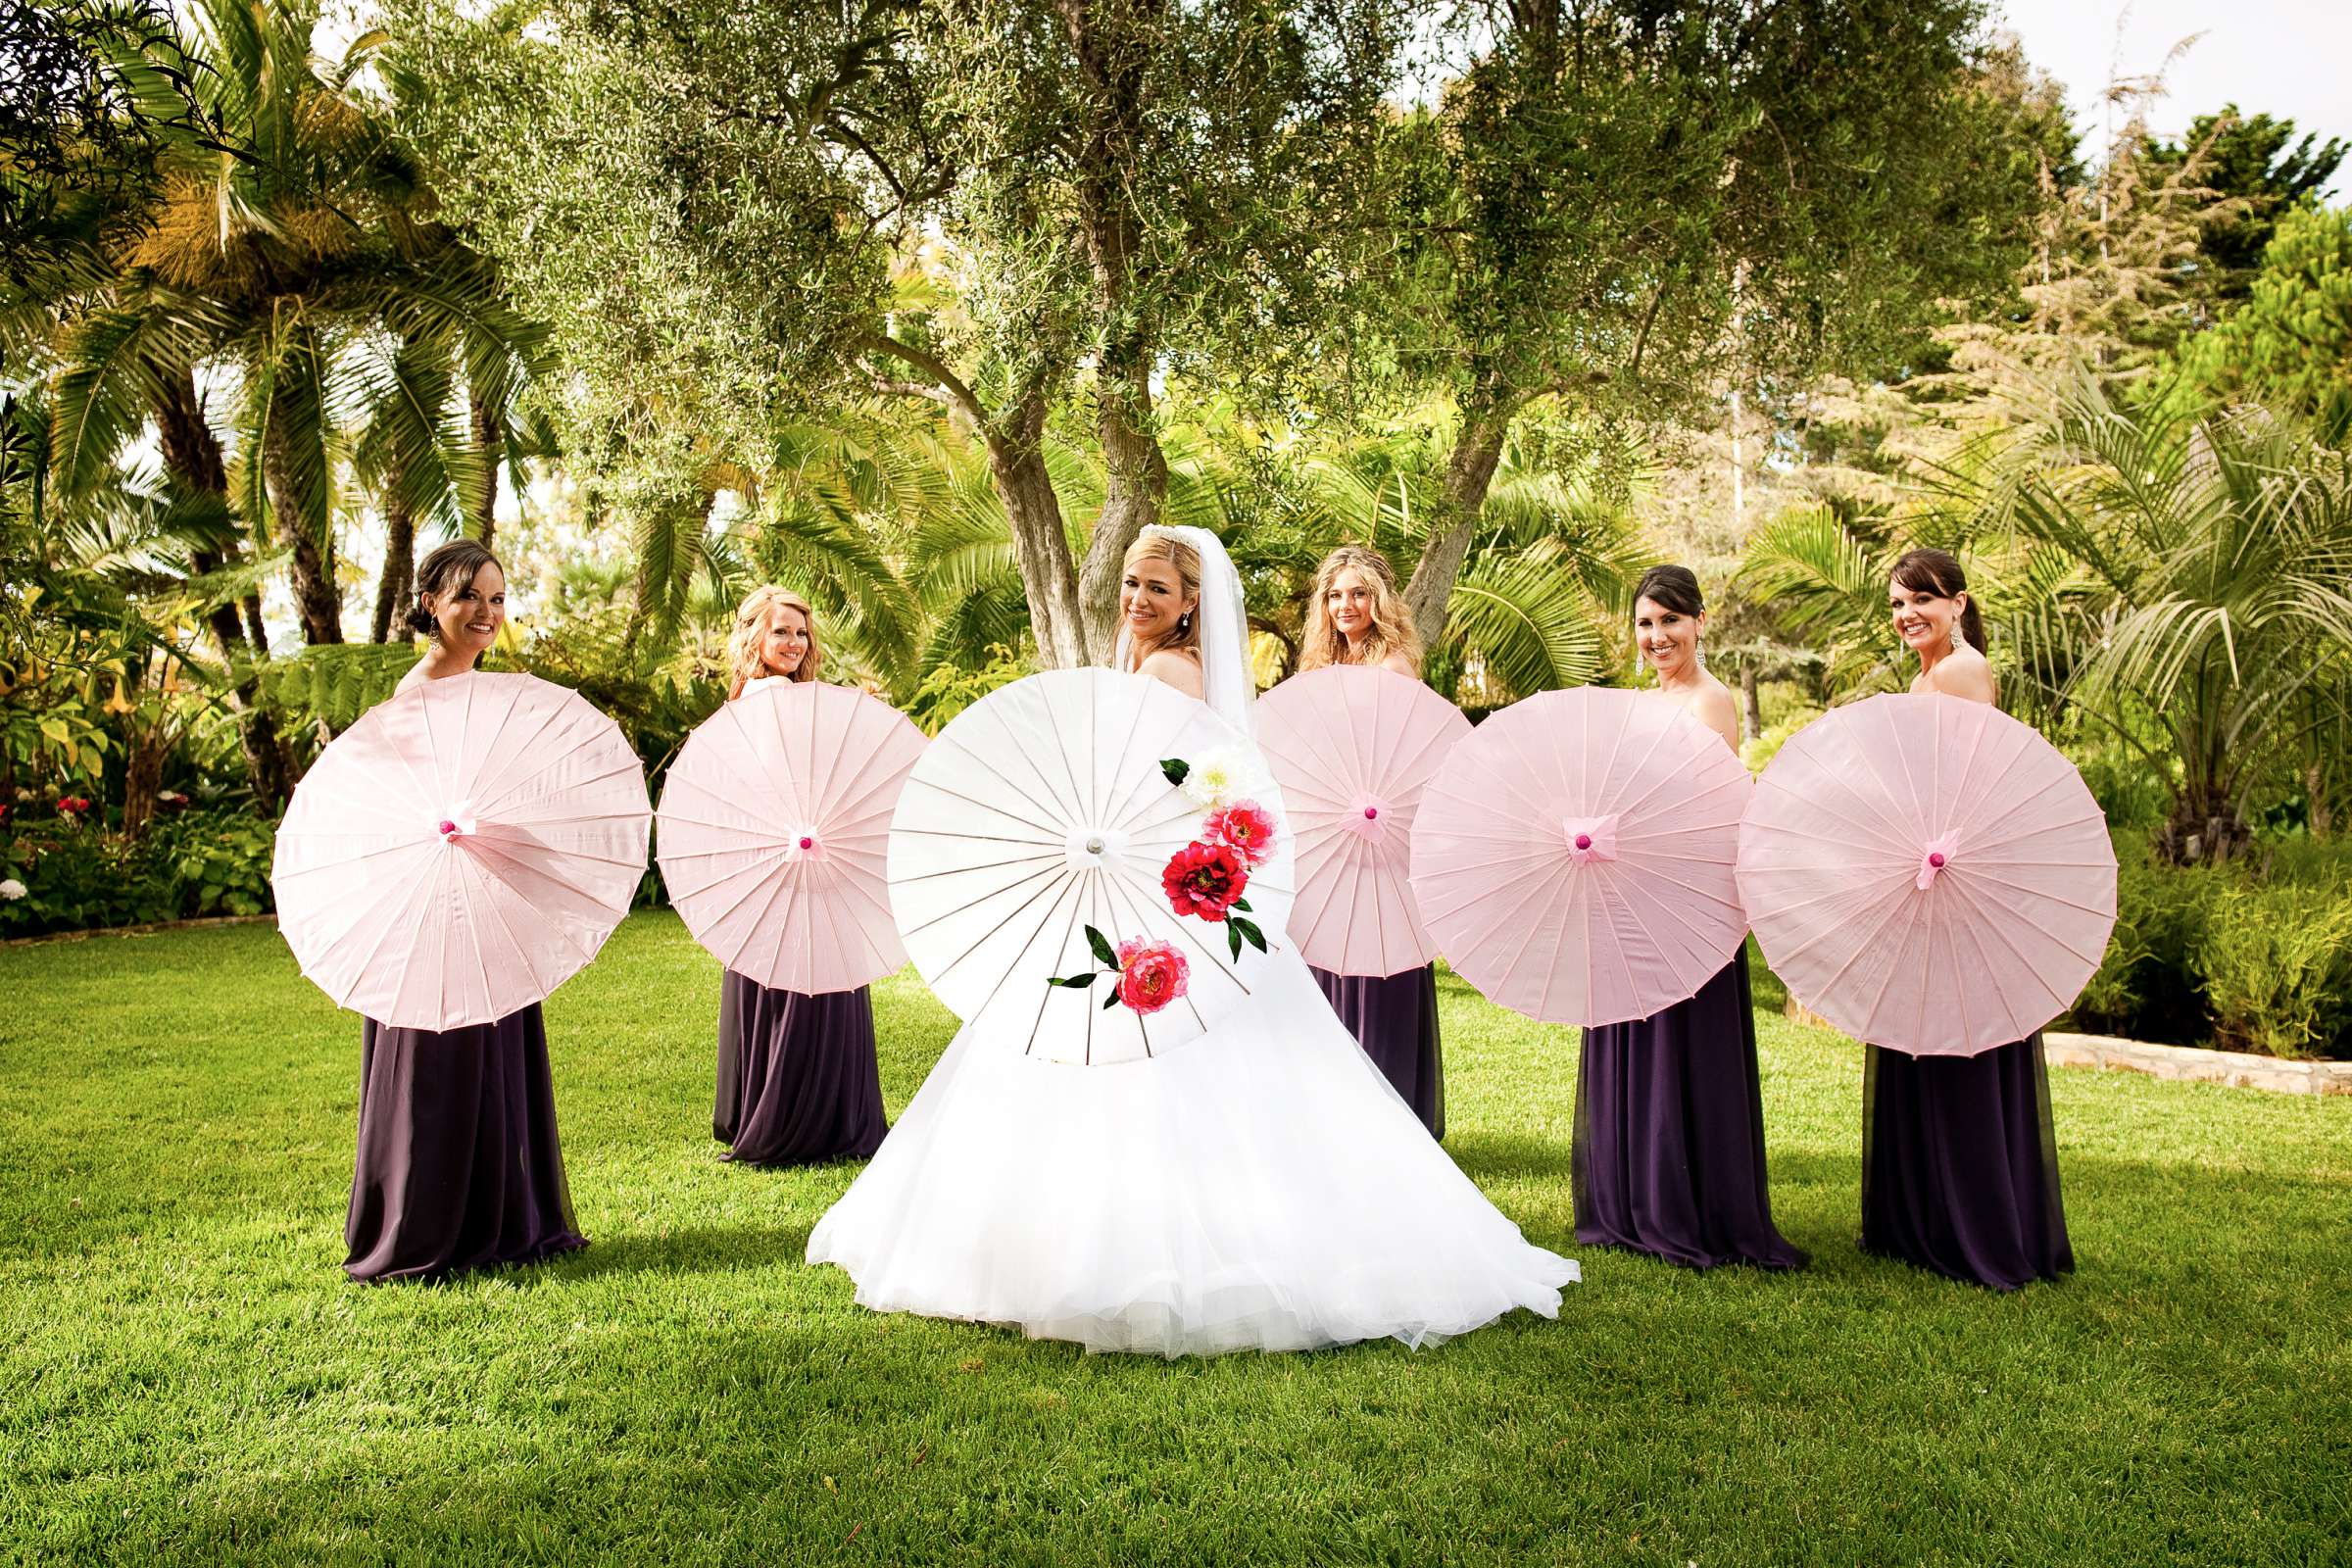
1355 616
797 1077
458 1166
1959 1161
1669 1150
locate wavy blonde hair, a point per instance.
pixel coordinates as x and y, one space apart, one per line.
1391 624
752 620
1186 560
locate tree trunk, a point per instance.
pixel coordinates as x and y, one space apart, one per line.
1041 544
2205 827
489 434
148 747
1750 695
1469 473
2315 786
316 600
192 454
1114 44
393 589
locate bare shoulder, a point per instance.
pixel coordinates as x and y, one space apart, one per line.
1964 673
1175 665
1717 710
1404 665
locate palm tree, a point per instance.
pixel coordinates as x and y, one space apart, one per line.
288 260
2211 629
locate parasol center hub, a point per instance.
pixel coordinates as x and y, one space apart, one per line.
1367 817
1933 857
456 824
803 844
1094 848
1590 839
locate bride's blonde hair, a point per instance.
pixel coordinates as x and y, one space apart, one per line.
751 631
1392 629
1149 546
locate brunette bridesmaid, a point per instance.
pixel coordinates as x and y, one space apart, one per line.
1357 617
1669 1150
459 1166
797 1077
1959 1159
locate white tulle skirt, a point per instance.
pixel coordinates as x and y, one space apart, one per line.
1260 1188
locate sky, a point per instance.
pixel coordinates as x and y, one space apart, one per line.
2290 59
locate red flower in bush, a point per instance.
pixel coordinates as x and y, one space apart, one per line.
1151 974
1203 880
73 804
1244 827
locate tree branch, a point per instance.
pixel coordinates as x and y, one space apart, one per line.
948 382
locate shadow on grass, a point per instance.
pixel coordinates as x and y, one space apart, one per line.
704 1249
1504 1156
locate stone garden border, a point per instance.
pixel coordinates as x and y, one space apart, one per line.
2238 1068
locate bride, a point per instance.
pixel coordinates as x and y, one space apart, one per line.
1261 1188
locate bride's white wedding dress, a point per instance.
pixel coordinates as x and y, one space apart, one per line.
1261 1187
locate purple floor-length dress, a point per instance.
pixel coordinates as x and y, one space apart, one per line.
459 1166
1395 1020
1669 1150
1960 1165
798 1078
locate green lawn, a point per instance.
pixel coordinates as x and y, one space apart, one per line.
185 1373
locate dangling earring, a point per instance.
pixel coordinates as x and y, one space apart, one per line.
1184 625
1698 655
1956 639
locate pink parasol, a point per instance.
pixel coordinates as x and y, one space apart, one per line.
775 825
1927 874
1353 747
462 851
1574 855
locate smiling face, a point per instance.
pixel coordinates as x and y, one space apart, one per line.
785 643
469 615
1152 598
1924 619
1350 599
1667 638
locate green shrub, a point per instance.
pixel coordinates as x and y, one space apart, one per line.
2147 986
2133 794
1759 750
80 878
2277 966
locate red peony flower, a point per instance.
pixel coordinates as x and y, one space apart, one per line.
1203 880
1151 975
72 804
1244 827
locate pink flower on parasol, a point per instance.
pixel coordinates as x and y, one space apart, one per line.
1927 873
1151 974
1244 827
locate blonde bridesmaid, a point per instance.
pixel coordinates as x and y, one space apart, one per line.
797 1077
1357 617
